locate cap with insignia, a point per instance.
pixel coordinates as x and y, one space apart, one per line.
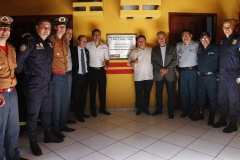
60 20
205 34
5 21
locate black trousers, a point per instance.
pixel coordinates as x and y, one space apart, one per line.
79 87
97 78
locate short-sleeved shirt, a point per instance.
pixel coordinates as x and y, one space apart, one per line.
97 55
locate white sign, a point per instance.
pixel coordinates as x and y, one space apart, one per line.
120 45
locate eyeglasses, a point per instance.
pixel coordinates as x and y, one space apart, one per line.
5 29
204 39
45 28
186 35
230 27
82 41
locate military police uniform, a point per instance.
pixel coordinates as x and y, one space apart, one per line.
60 80
207 66
187 62
9 120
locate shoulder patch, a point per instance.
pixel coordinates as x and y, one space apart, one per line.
23 47
234 41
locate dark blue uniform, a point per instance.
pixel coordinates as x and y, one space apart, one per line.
229 71
35 61
207 80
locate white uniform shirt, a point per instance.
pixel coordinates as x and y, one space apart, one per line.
69 60
143 70
97 55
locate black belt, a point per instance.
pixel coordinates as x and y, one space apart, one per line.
69 72
188 68
205 73
98 68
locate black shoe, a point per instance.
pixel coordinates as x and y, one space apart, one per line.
199 115
192 117
23 158
67 129
232 126
70 121
157 112
104 112
211 119
36 150
183 115
58 134
221 122
138 112
50 137
85 115
146 112
170 116
81 119
94 114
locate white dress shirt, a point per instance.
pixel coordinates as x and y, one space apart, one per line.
163 51
79 60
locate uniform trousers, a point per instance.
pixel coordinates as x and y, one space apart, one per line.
229 92
60 101
188 90
9 127
80 87
97 78
207 86
143 89
170 91
69 92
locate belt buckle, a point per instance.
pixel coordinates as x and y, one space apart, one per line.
9 90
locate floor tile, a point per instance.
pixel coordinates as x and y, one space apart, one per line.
206 147
191 130
178 119
151 120
179 139
74 151
200 124
235 142
135 126
50 155
98 142
139 141
118 120
118 133
89 121
118 151
133 116
156 132
187 154
163 149
220 131
103 117
144 156
229 153
217 137
95 156
81 134
101 127
168 124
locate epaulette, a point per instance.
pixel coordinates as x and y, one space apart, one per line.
178 43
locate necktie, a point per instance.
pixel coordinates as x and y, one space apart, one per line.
83 62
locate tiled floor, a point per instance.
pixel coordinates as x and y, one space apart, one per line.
125 136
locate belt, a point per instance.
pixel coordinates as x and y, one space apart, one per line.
7 90
205 73
59 72
188 68
69 72
98 68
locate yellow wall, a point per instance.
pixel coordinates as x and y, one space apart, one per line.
120 87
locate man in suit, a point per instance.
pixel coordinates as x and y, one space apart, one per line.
164 59
80 68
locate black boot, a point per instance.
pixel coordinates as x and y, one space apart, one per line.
232 126
36 150
211 118
49 137
221 122
199 115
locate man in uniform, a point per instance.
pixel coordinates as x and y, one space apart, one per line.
98 62
60 78
140 60
68 36
80 63
187 71
207 67
164 60
9 120
35 62
229 73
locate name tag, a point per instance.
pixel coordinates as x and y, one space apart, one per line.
210 53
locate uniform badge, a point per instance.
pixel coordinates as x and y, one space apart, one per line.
40 44
180 51
57 54
23 47
50 44
221 42
199 51
234 41
210 53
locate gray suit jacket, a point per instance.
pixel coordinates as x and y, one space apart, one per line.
169 62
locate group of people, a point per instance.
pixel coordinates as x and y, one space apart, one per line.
48 67
205 70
